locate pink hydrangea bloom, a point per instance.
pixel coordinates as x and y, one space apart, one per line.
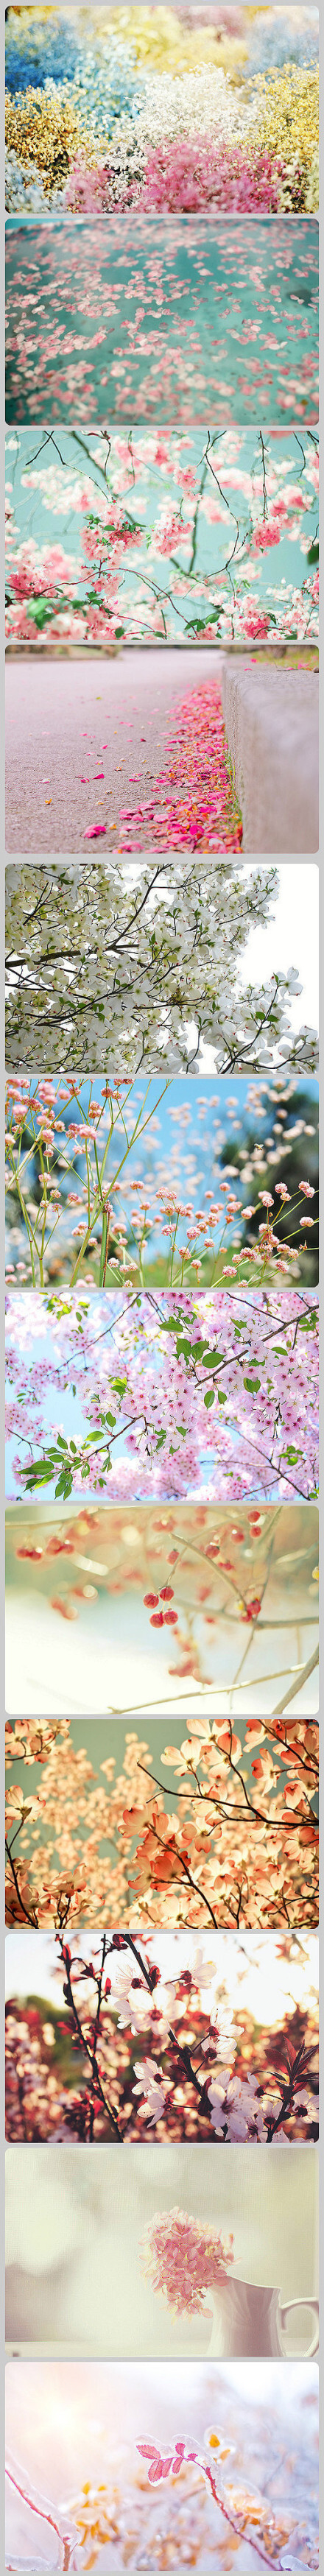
183 2259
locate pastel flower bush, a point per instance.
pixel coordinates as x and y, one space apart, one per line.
211 1396
85 1846
139 512
119 83
108 968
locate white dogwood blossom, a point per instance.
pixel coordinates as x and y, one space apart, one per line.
125 966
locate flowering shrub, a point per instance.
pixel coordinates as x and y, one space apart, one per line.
212 1396
100 961
121 83
102 320
240 1849
195 175
80 2076
38 48
137 512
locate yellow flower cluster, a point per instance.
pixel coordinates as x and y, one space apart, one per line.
28 19
286 123
159 38
45 135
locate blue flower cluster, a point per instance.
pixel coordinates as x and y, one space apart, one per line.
104 89
52 56
106 92
281 36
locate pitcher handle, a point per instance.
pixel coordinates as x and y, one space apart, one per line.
285 2308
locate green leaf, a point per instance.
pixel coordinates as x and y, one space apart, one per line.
209 1398
210 1359
41 612
252 1385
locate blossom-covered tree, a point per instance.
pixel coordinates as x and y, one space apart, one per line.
210 1396
210 2068
138 966
237 1847
136 512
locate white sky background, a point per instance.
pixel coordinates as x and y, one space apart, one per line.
290 939
30 1960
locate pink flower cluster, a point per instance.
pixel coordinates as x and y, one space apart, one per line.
235 1388
181 177
187 175
194 802
184 2259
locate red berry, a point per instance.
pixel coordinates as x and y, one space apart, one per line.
29 1551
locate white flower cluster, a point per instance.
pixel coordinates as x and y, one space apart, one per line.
119 967
200 103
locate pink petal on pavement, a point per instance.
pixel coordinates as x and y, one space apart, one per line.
94 829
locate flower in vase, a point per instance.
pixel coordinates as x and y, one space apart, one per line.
183 2259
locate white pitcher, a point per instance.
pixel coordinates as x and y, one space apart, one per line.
251 2320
